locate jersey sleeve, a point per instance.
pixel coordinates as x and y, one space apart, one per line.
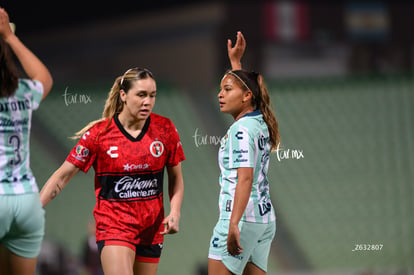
175 152
83 154
37 94
32 90
241 147
35 88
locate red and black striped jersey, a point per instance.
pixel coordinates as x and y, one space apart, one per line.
128 170
126 167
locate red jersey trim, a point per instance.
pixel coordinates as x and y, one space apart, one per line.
147 259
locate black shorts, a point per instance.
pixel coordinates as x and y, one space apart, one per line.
144 253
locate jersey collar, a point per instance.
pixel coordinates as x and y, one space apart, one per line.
126 134
254 113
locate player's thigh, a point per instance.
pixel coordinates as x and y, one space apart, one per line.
11 263
4 260
117 259
252 269
216 267
22 266
145 268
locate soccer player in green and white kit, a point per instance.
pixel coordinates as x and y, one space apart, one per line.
21 213
247 224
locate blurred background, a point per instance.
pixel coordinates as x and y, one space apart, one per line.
340 75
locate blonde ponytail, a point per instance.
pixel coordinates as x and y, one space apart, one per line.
113 105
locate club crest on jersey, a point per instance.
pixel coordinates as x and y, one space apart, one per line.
223 141
157 148
81 153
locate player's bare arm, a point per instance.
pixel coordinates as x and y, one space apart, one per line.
32 65
57 182
241 198
176 193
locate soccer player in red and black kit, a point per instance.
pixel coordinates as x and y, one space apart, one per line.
129 147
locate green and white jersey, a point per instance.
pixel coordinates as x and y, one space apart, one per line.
246 144
15 120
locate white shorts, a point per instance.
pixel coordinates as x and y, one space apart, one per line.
22 224
255 238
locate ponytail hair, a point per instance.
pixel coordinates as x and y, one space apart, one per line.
260 100
268 114
8 71
114 104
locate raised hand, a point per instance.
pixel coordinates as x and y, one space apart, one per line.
5 29
236 53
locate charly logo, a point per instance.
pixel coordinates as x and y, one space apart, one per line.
239 135
112 152
214 242
86 135
157 148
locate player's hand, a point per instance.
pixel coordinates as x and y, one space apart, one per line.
5 29
171 225
236 53
233 241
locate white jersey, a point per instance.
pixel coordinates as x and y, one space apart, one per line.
15 120
246 144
